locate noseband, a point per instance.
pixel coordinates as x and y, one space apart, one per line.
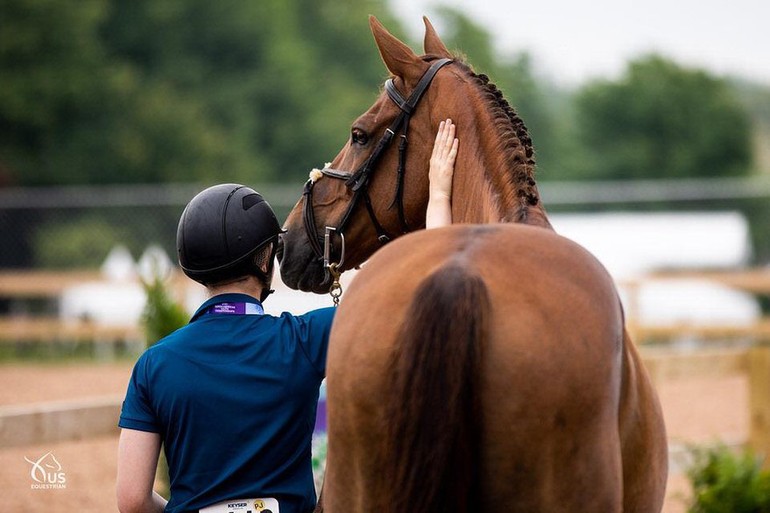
358 181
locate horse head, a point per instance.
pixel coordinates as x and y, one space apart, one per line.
376 188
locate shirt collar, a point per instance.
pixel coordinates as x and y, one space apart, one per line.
223 298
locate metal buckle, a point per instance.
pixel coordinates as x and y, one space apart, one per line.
328 247
335 290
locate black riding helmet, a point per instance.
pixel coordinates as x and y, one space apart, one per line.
220 231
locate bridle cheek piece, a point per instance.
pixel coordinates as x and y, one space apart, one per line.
358 181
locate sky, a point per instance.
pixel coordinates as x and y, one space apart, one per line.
573 41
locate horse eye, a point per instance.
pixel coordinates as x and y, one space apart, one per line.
358 136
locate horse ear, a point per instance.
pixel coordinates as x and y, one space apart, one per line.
398 58
432 43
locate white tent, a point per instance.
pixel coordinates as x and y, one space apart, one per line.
631 245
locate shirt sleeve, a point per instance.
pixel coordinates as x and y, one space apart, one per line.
315 336
137 412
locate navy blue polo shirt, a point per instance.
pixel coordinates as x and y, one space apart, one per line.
234 398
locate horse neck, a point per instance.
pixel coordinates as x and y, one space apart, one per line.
493 185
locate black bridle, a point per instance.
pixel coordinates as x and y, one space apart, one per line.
358 181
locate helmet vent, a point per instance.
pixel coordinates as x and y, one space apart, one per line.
251 200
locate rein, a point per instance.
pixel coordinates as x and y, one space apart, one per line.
358 181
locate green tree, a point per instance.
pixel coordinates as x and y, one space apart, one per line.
755 98
116 91
47 53
71 113
660 120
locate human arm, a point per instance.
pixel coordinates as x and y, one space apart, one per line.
442 161
138 453
314 328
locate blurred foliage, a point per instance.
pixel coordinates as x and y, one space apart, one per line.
79 243
117 91
319 450
65 351
755 99
660 120
162 314
726 482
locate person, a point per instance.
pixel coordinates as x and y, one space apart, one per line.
232 395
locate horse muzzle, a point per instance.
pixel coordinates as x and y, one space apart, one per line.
301 268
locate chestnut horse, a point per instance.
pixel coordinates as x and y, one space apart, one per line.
479 367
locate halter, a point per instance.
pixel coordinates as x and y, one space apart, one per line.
358 181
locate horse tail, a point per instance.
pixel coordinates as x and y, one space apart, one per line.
433 410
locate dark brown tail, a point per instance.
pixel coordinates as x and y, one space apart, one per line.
432 411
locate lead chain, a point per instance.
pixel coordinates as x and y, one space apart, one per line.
335 291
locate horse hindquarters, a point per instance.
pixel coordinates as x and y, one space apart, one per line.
644 444
550 412
541 392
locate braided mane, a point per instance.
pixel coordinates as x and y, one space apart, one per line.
515 143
